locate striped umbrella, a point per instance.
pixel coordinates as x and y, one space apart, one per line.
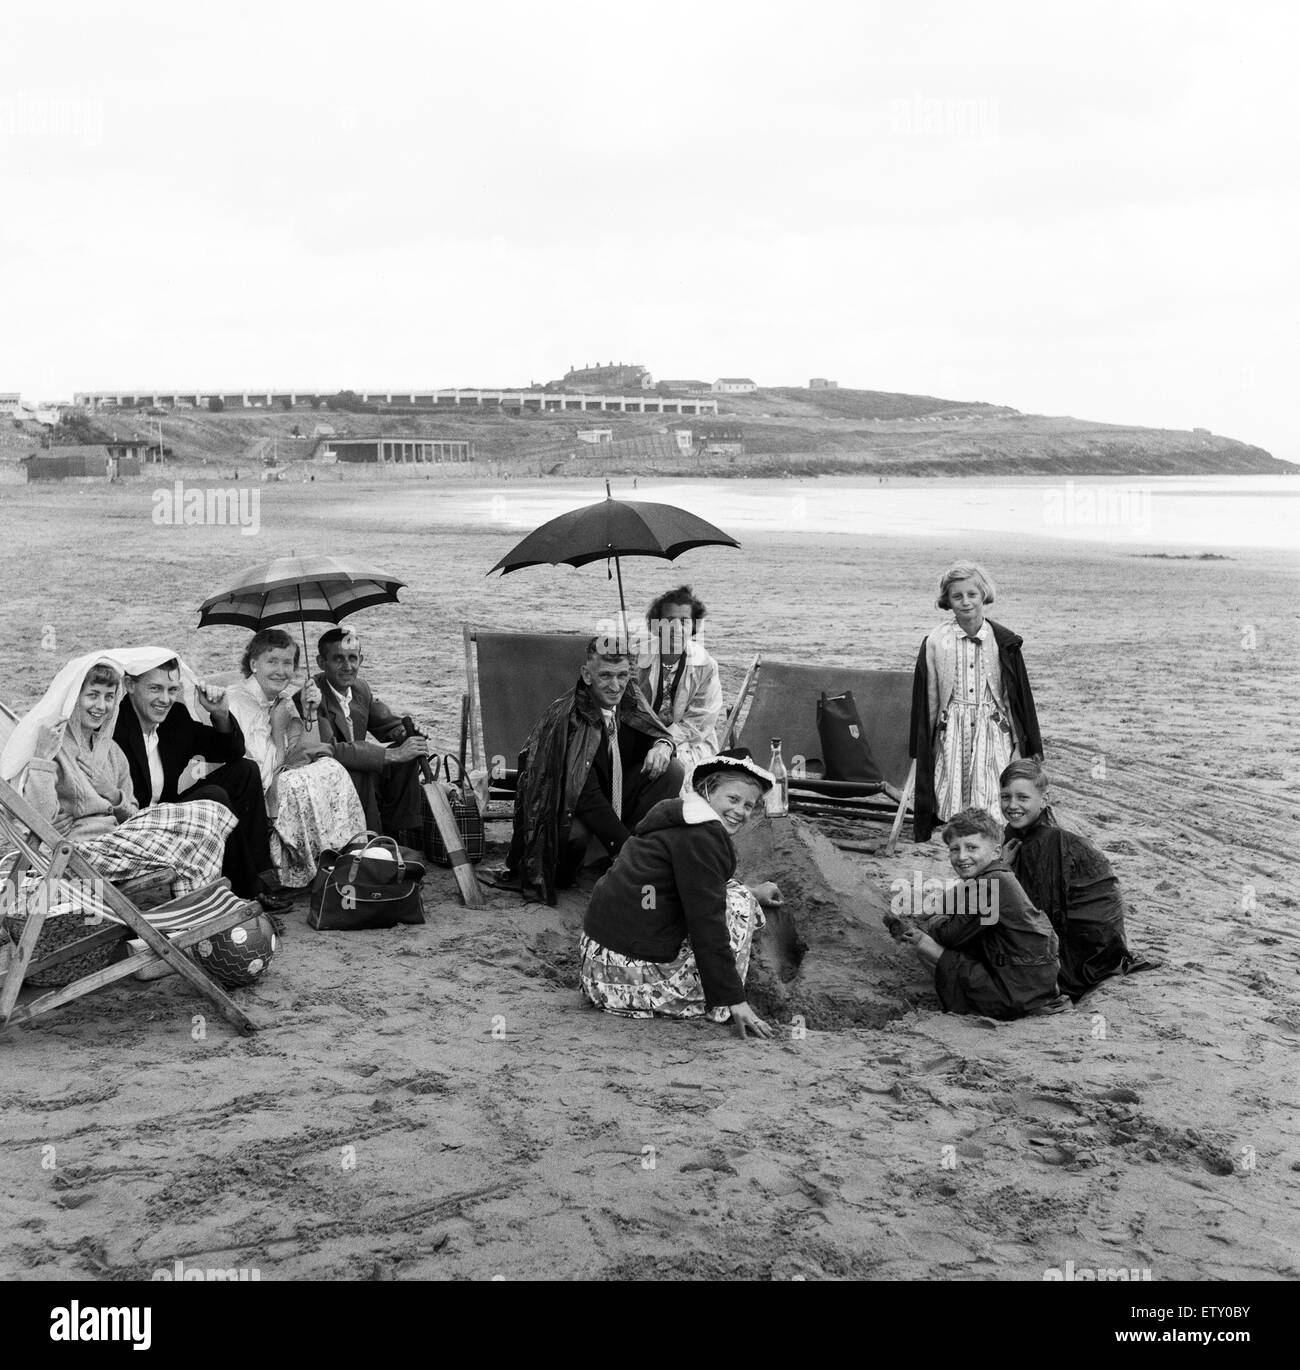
316 589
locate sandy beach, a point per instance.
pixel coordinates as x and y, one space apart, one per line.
437 1102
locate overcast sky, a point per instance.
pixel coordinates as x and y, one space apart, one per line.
1086 210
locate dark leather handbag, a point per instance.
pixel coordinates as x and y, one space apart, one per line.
844 744
466 812
369 883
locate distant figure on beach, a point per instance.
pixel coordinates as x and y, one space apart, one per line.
972 708
386 777
310 800
669 930
679 678
596 762
161 737
61 756
991 950
1069 879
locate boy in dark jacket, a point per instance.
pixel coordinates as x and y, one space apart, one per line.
991 950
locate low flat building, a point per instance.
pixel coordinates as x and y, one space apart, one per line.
10 400
733 385
821 383
395 451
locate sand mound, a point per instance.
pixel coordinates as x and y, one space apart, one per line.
824 955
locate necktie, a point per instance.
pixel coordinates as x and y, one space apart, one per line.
615 767
346 715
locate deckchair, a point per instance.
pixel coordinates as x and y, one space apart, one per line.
35 851
511 678
784 705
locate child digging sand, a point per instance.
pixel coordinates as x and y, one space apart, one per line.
991 950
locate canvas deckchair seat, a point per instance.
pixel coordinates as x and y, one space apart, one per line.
512 678
784 705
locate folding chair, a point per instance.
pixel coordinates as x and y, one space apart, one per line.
784 705
511 678
37 859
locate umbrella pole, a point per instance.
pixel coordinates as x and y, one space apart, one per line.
622 607
302 624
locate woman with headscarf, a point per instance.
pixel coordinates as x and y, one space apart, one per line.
310 799
62 758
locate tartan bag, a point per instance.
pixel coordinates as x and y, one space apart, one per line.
352 890
465 810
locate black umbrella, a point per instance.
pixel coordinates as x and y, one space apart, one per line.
612 529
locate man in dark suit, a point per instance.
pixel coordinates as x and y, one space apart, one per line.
160 739
385 772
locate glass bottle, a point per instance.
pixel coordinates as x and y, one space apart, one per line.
777 800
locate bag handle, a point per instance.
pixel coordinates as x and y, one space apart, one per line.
378 842
364 838
463 778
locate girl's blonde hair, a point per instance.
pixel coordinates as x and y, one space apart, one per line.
965 570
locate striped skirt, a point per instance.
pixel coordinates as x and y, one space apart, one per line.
973 746
667 989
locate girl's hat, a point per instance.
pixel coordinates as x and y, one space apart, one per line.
734 761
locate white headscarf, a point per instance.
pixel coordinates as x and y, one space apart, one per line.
137 660
57 705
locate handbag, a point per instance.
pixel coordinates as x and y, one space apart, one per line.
356 887
844 744
465 810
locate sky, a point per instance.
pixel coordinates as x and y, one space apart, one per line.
1086 210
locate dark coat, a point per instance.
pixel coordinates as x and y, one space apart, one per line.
687 864
1072 882
180 739
559 753
1019 699
999 960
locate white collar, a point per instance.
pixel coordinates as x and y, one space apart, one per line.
697 809
344 698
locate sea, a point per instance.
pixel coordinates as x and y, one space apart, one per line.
1180 514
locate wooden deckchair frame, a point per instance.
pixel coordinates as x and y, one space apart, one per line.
39 848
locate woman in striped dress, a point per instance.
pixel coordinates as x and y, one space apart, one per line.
972 708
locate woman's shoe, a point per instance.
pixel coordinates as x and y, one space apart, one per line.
277 900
